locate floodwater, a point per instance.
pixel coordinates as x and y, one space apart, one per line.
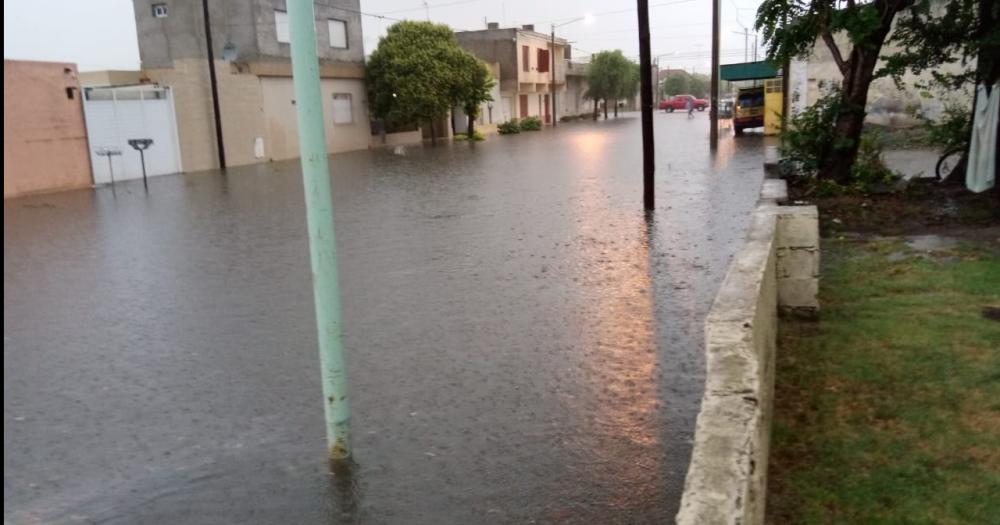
524 346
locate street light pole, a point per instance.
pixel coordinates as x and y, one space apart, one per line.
646 99
319 215
552 71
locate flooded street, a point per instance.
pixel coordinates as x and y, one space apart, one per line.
523 345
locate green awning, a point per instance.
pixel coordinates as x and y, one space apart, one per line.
747 71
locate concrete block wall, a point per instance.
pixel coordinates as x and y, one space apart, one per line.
798 260
44 137
775 269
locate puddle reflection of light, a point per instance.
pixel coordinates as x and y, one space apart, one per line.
590 143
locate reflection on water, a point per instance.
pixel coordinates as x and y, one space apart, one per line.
523 341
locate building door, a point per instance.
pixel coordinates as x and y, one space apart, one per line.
548 114
116 114
524 106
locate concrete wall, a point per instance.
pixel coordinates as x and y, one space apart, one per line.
281 135
396 139
497 46
253 107
887 104
571 102
248 25
109 77
44 136
727 478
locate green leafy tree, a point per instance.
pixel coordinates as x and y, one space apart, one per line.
608 77
676 83
680 82
698 86
937 33
418 73
628 85
791 29
475 82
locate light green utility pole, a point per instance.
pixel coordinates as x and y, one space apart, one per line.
319 213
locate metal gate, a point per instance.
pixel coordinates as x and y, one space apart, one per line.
116 115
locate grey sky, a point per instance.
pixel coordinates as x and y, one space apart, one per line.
100 34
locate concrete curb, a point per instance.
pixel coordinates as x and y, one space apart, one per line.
777 267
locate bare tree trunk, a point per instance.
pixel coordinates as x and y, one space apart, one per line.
434 133
471 130
858 71
851 119
616 108
605 109
597 108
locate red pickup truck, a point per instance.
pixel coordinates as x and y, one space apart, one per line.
679 103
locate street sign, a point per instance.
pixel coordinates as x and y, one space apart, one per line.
109 151
141 145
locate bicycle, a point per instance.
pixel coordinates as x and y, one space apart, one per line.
952 161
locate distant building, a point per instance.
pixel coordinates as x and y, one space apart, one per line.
525 62
253 63
44 138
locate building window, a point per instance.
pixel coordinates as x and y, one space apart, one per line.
159 10
525 58
281 27
543 60
342 109
338 33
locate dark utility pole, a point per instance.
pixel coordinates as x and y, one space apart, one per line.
713 134
646 99
215 87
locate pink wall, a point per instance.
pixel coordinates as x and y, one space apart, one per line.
44 136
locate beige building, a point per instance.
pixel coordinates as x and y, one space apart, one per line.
526 75
250 42
44 137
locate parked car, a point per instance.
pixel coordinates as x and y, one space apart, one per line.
679 103
749 109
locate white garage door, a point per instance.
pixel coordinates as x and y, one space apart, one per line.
115 115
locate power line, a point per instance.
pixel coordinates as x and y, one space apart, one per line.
431 6
617 11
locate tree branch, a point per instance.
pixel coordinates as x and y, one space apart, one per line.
835 51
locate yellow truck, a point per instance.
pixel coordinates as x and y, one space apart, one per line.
759 106
749 109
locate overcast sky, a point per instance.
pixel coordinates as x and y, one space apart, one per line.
100 34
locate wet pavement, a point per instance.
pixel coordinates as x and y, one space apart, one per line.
524 346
